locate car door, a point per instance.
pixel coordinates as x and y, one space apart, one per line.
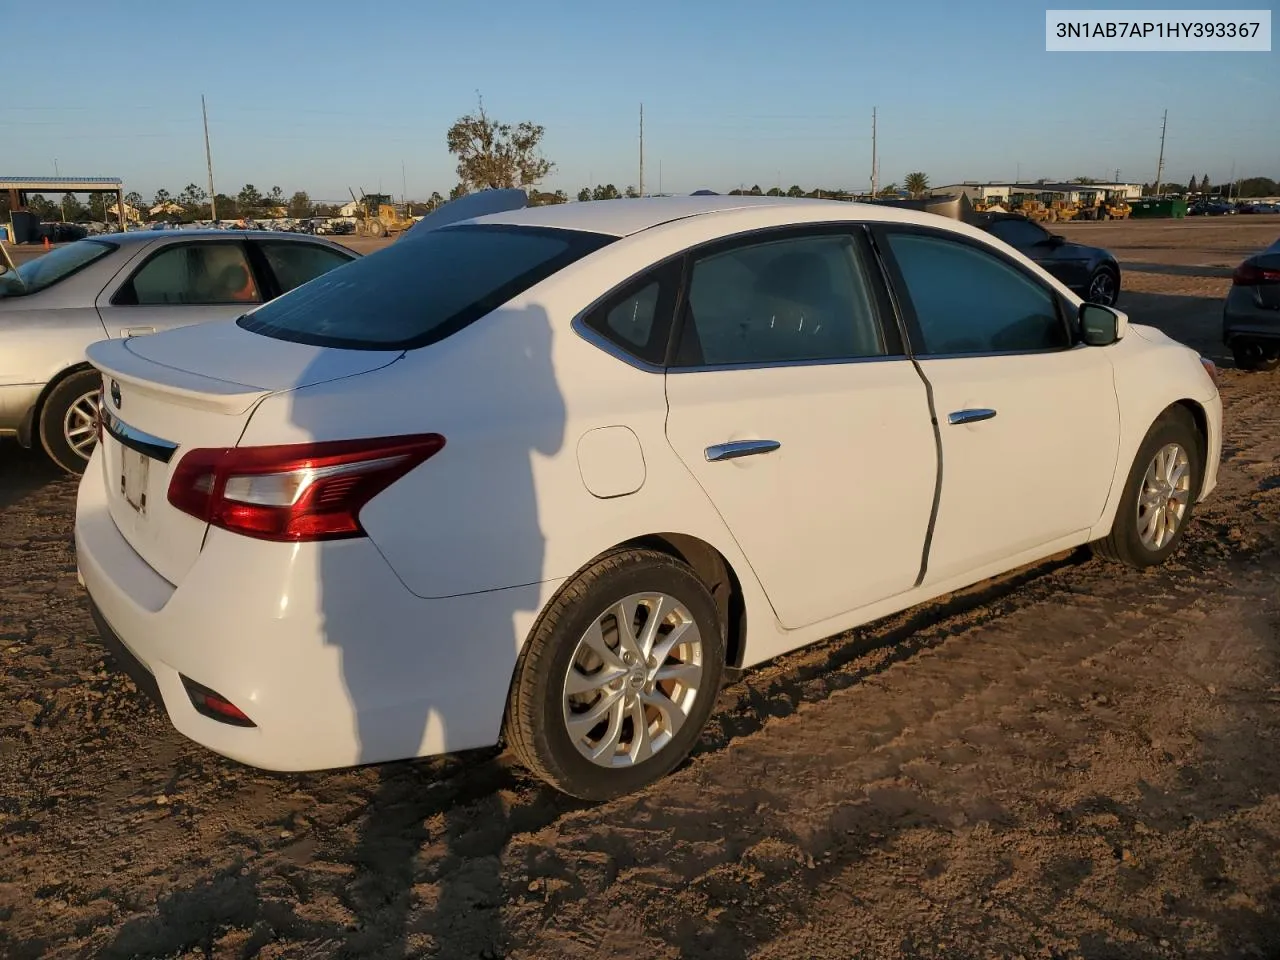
1028 417
291 263
792 404
182 282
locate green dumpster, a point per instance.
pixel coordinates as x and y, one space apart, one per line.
1158 207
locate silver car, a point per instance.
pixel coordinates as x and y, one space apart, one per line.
125 285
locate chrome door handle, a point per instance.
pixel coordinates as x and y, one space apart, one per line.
971 416
136 331
739 448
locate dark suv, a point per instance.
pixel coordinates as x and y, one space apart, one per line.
1092 273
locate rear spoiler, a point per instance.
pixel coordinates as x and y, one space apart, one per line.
472 205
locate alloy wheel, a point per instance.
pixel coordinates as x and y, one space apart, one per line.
633 680
1164 496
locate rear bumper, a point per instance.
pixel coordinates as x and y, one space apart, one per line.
321 645
1244 321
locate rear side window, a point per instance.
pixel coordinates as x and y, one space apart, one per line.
192 273
294 262
421 288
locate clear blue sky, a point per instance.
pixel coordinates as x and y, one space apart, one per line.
321 95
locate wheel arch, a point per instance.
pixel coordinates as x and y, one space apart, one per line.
715 571
28 429
1201 419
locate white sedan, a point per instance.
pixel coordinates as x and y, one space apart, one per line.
539 477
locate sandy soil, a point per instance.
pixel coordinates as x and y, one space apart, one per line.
1073 761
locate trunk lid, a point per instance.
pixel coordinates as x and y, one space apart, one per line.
197 386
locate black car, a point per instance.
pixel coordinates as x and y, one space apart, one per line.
1091 272
1251 315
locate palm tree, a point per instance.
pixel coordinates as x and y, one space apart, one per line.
917 183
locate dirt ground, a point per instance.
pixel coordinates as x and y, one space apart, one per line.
1073 761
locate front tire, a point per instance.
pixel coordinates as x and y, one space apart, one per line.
618 677
1159 495
68 421
1104 287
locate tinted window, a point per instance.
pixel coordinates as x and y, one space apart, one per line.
193 273
786 300
968 301
296 263
58 264
422 288
1017 233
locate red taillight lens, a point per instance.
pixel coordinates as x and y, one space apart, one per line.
293 492
1251 275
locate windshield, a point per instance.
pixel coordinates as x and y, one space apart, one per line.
35 275
420 289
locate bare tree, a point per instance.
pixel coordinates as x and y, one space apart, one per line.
494 155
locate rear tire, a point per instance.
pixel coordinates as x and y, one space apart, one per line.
1250 359
1159 495
68 412
561 682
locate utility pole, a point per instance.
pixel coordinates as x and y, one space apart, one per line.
1160 163
874 171
660 178
404 189
208 159
1117 179
1231 184
642 149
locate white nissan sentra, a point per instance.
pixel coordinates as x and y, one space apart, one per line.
539 477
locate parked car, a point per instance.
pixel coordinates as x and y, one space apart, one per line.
1210 208
1251 315
1091 272
539 477
125 285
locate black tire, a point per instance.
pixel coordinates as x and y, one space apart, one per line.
53 416
1103 274
535 729
1124 543
1250 359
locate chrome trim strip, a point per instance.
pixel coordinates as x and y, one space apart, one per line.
971 416
739 448
147 444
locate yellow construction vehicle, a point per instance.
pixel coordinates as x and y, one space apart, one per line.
377 216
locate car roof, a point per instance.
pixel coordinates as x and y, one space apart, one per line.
146 236
624 217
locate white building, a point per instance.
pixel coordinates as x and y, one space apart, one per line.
1072 192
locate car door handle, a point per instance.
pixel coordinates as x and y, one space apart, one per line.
136 331
739 448
971 416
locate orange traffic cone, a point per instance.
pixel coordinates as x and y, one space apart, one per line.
46 243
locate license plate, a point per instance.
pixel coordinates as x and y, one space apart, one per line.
134 473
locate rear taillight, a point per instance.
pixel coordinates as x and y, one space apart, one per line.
293 492
1252 275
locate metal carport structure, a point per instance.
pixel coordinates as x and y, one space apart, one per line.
20 188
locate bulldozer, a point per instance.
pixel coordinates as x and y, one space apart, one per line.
377 216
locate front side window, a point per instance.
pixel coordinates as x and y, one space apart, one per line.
296 262
191 274
422 288
966 300
787 300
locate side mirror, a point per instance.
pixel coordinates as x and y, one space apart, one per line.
1101 326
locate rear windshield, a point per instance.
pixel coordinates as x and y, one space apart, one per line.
421 288
58 264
